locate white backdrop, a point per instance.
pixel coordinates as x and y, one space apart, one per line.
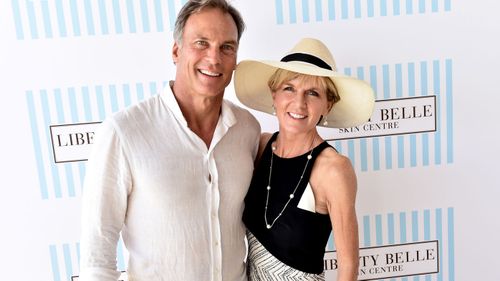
427 201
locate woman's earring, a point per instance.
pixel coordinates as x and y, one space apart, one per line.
325 122
274 110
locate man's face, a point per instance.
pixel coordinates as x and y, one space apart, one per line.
206 57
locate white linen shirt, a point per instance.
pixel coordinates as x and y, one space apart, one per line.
176 203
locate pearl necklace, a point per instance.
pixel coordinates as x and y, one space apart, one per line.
290 197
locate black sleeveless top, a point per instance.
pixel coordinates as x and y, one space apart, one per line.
298 238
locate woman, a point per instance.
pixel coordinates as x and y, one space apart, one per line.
302 188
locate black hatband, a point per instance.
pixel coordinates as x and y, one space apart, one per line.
306 58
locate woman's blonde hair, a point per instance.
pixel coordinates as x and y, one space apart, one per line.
281 76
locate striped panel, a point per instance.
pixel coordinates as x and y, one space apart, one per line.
263 266
413 226
65 259
70 106
414 150
47 19
305 11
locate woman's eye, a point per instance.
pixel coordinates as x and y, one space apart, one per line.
288 89
313 93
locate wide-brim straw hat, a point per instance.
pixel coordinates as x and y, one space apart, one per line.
309 56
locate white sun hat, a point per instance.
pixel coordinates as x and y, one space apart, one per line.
309 56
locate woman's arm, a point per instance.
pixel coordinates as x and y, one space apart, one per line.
337 194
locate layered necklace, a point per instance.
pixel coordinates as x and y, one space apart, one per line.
292 195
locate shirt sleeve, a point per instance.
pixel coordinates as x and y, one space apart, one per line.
104 204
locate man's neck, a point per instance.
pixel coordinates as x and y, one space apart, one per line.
201 113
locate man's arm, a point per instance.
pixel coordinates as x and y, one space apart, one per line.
104 204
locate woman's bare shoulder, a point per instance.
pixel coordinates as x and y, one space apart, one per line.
334 169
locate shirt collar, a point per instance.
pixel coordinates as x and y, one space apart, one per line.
167 95
226 120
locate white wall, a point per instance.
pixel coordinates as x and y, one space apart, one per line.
57 63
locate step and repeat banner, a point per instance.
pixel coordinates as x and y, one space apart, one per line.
427 161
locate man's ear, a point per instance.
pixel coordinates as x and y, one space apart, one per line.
175 52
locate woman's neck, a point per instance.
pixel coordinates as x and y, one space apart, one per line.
288 146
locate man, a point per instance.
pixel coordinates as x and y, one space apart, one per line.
171 172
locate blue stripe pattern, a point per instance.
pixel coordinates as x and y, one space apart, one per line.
344 9
451 241
319 11
67 261
449 110
357 9
279 11
61 21
131 16
73 18
145 16
16 14
437 92
54 261
400 81
47 25
159 16
402 227
61 119
120 255
350 143
396 7
403 233
89 18
65 258
35 136
32 19
353 9
366 242
103 17
71 106
439 237
371 8
97 13
47 122
363 149
421 6
387 95
418 220
292 11
399 94
117 16
383 8
375 141
409 7
331 10
171 13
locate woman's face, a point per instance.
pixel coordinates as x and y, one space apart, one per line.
300 103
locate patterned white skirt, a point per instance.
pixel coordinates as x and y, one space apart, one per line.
263 266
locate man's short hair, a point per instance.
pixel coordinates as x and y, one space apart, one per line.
195 6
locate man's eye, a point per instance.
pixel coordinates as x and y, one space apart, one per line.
201 43
228 49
